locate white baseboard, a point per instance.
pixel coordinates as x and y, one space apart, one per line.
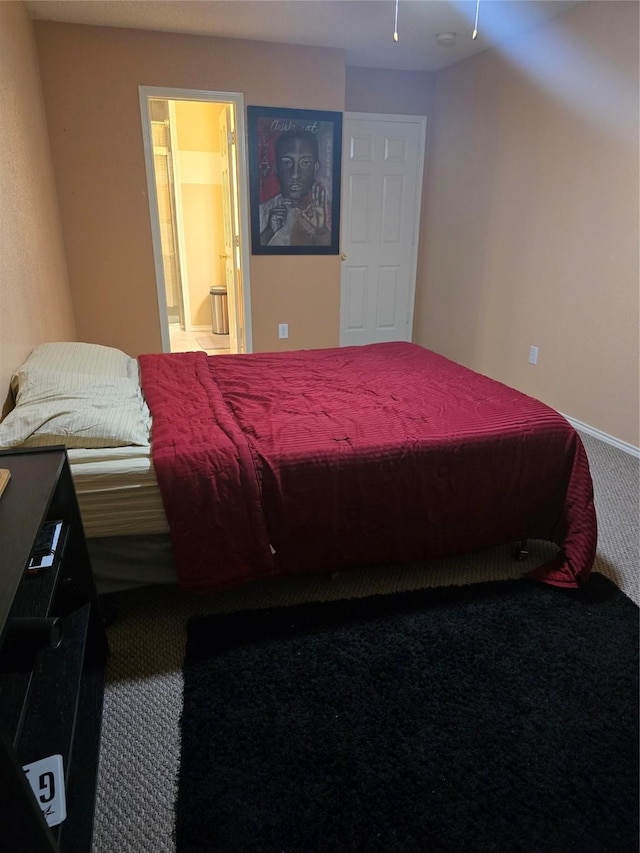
603 436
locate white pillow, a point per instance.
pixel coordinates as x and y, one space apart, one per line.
77 358
77 411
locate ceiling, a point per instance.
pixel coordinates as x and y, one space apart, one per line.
363 28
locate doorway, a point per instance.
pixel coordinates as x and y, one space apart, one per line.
194 145
382 172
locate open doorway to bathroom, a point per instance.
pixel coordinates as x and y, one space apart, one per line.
198 203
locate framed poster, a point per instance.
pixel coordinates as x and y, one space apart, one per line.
294 178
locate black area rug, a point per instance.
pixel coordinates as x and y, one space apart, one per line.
496 717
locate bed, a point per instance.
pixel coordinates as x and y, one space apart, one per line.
224 469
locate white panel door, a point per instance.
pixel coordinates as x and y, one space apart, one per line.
382 168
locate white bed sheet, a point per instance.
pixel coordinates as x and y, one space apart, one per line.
117 491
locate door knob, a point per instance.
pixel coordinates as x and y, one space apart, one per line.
223 257
343 257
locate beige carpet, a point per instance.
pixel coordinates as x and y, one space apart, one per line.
140 735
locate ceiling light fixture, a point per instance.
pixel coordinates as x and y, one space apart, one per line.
474 34
395 31
446 39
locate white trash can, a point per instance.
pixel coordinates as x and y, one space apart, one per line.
219 310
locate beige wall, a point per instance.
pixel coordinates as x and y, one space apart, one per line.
35 301
531 228
375 90
91 77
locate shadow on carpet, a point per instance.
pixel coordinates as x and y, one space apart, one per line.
495 717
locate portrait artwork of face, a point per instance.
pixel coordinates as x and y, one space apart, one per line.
300 215
296 165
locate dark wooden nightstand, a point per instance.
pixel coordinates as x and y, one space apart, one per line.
51 689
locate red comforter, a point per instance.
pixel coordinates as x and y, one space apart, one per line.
317 460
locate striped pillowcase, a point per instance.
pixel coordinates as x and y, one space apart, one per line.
75 357
77 410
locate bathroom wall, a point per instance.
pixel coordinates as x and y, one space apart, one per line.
198 169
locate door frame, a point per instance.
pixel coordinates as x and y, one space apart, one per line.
237 99
421 121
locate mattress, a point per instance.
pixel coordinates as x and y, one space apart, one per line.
117 492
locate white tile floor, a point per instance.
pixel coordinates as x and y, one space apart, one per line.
182 341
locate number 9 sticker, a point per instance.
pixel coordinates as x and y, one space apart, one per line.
46 778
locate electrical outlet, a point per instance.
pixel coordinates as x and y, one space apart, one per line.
533 355
283 330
